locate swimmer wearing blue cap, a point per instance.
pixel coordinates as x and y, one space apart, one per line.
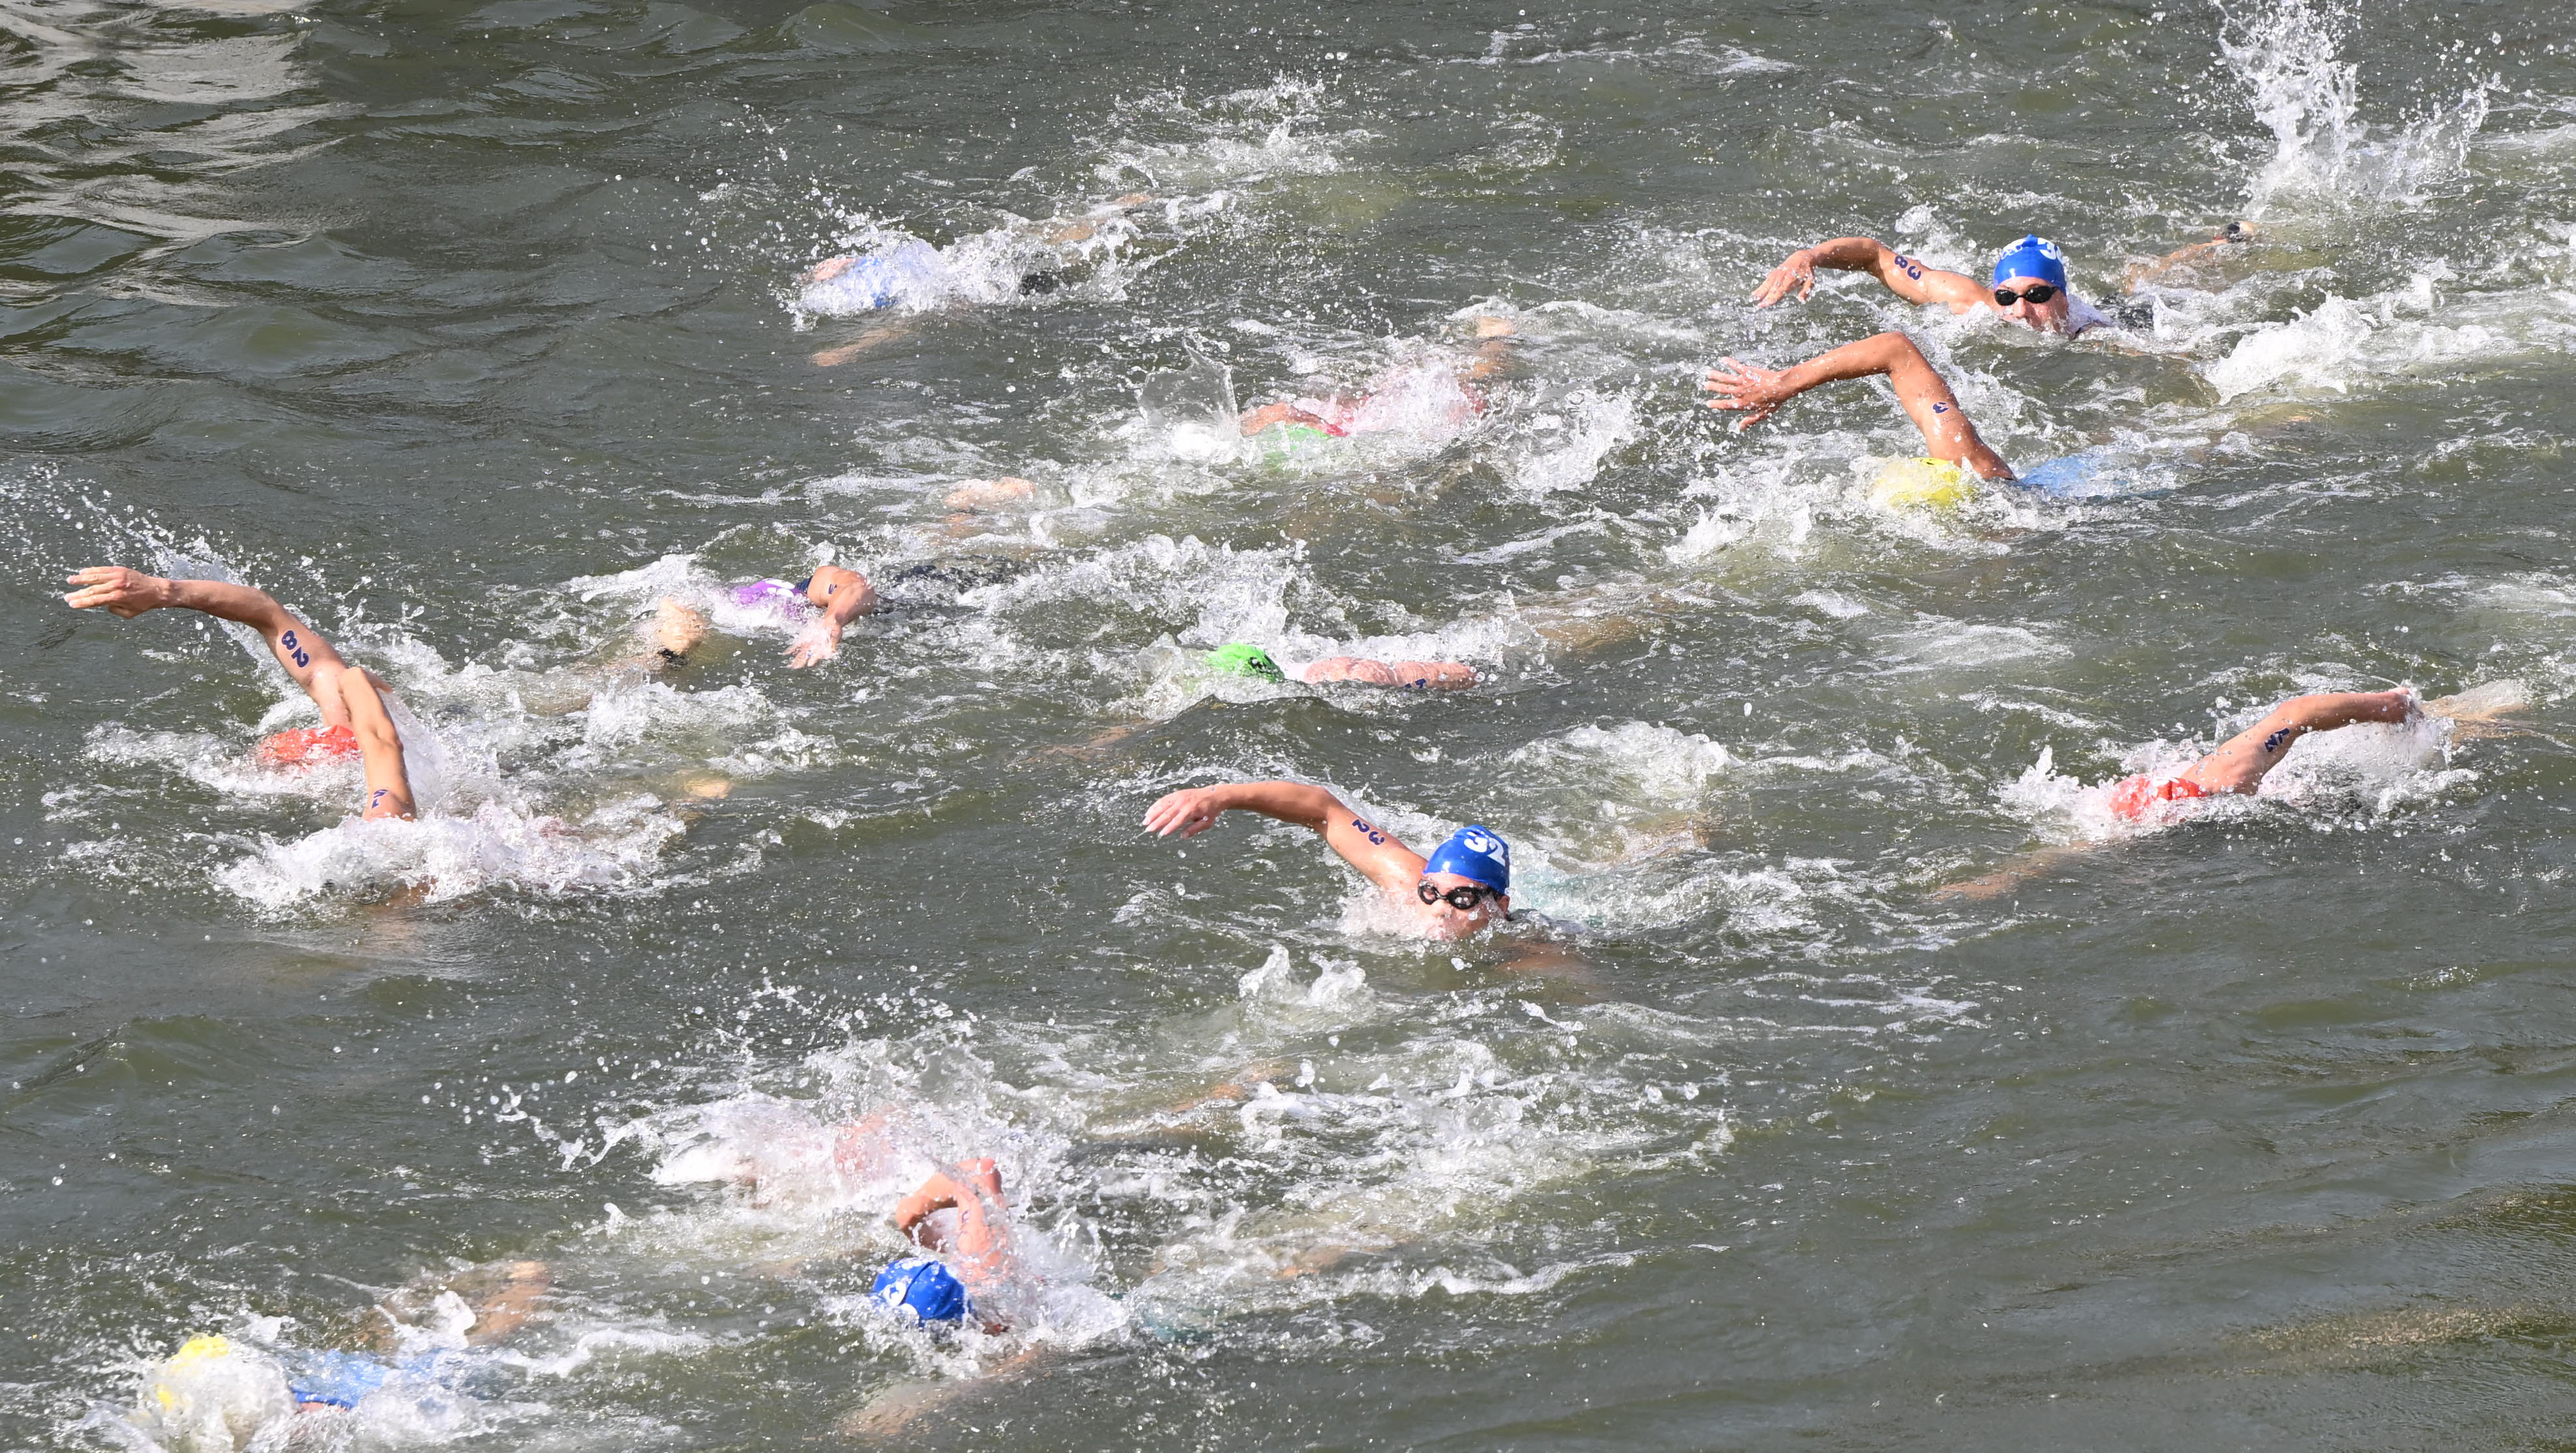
352 699
2028 284
1463 887
927 1288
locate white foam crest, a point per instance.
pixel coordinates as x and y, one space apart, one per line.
1228 141
2285 55
1218 593
615 848
2405 332
815 1159
1563 447
1934 643
1436 1148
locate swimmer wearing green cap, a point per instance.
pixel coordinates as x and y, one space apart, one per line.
1235 658
2028 286
1462 888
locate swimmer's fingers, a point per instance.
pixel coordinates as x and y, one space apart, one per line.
820 641
121 591
1187 812
1790 274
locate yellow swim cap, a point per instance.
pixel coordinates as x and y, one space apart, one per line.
1922 484
200 1348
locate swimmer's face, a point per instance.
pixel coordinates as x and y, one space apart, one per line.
1443 919
2048 317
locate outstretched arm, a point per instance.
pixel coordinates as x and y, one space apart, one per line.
347 696
1907 277
844 595
298 647
1419 675
1371 849
1947 432
2240 762
2142 273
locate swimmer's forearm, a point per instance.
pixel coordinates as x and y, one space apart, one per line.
254 608
1849 254
1872 355
1299 802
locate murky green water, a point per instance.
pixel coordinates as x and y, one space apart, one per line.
472 331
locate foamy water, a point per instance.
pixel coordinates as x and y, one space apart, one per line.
489 338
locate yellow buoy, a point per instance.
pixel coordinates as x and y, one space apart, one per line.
1922 484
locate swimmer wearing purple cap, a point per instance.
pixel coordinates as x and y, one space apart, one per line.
840 596
2028 286
1463 887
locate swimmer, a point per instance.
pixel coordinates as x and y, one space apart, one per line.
1949 437
840 595
1338 416
2239 765
355 721
1238 659
978 1241
915 275
1463 887
213 1391
2029 283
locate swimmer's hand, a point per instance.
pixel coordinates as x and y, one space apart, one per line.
820 641
829 268
125 593
1799 272
1188 812
1741 388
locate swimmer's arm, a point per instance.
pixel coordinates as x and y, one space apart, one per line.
1417 675
1909 278
1268 415
1365 846
2013 874
298 647
980 1244
379 744
1947 432
2140 274
845 595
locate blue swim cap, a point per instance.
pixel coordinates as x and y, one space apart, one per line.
1477 855
336 1379
2033 256
930 1289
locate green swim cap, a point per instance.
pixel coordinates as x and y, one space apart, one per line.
1239 659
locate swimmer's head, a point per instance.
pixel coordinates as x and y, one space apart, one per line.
926 1288
309 747
1235 658
2034 257
1468 881
2030 283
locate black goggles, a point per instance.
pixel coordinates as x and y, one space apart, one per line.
2035 293
1464 897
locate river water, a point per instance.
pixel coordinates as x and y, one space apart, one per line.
472 329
